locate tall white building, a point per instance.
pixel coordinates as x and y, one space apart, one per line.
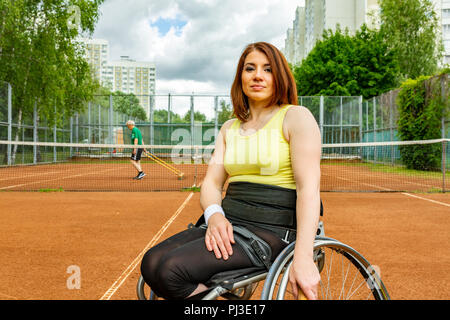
320 15
97 53
442 8
126 75
130 76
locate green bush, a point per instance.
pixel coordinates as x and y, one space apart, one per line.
421 107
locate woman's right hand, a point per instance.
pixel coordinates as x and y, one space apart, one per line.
219 236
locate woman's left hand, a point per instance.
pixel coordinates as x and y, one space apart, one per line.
304 274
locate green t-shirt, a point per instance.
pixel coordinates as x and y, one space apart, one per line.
136 134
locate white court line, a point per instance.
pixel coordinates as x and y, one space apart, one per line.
415 183
434 201
404 193
116 285
367 184
32 175
60 178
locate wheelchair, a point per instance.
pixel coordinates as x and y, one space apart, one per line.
345 275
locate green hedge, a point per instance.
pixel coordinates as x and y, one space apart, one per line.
421 107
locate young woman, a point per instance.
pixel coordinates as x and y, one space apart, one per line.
270 155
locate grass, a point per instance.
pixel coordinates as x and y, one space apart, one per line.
193 189
51 190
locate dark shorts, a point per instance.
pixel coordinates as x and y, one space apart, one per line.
137 155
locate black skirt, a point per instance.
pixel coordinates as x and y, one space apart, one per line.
266 206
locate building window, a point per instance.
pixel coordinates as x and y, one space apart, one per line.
446 14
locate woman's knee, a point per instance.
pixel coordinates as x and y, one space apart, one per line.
167 276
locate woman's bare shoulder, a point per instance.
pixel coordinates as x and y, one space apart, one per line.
298 116
227 124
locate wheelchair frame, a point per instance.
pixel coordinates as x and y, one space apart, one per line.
242 285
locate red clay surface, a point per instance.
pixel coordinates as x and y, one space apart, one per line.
102 233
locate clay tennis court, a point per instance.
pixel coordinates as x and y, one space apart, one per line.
45 236
105 233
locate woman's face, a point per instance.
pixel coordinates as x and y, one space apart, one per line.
257 79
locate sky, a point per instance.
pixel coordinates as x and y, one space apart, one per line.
195 44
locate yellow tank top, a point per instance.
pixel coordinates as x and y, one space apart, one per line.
262 157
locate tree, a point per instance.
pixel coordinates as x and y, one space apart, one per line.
410 30
198 116
41 59
344 65
225 113
128 103
162 116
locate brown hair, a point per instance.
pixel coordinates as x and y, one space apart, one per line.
284 87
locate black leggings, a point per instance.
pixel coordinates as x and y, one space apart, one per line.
174 268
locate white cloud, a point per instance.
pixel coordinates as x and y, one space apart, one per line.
202 56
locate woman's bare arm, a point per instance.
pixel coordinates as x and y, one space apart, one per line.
219 235
305 144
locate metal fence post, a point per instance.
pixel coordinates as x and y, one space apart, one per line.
54 138
360 102
152 141
321 117
9 149
341 122
443 133
391 125
169 107
216 117
192 121
76 129
35 132
110 120
89 123
374 129
99 124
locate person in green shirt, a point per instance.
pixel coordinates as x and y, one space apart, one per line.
136 139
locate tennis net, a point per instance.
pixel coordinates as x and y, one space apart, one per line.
409 166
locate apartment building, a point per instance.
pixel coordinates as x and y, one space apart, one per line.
319 15
131 76
442 8
126 75
97 53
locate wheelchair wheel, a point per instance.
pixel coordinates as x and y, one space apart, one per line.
140 290
345 274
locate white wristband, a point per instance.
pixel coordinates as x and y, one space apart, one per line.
212 209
